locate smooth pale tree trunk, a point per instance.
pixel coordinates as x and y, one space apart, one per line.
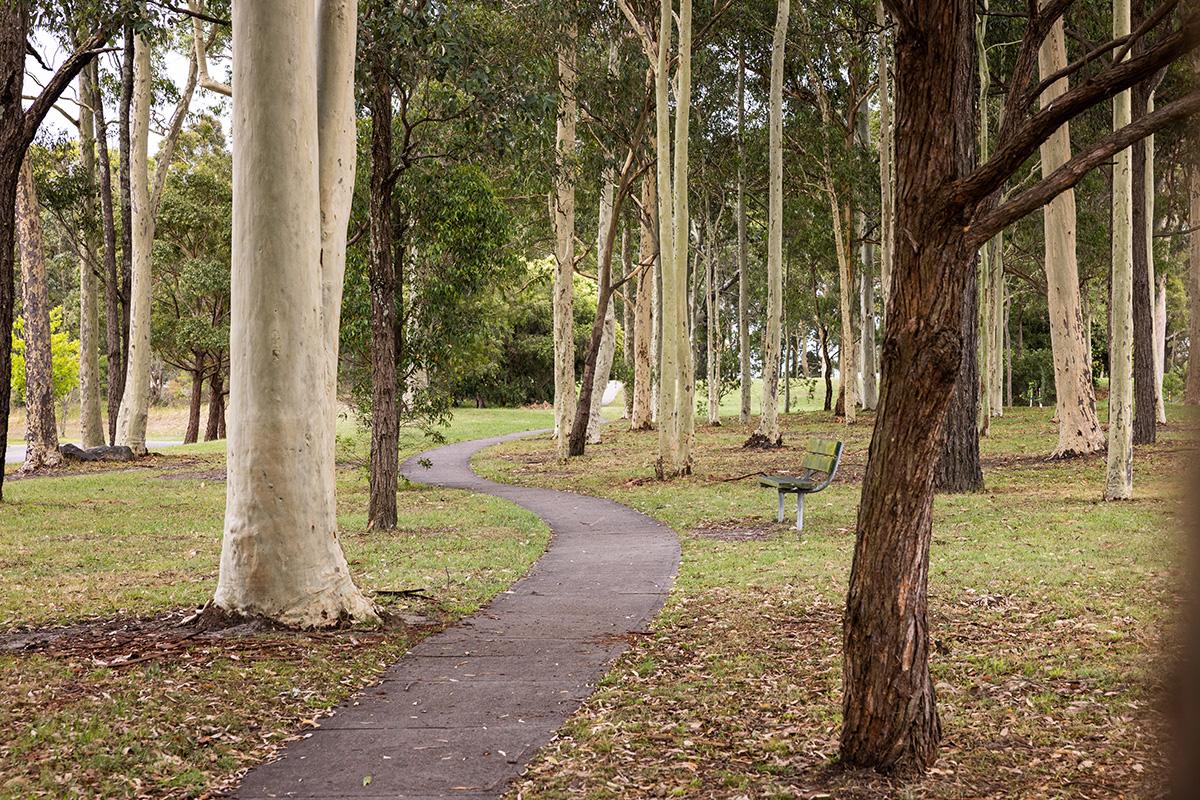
743 321
1079 430
1157 285
280 558
135 403
608 339
887 186
996 315
41 432
643 310
991 254
1118 478
1192 390
628 299
712 299
768 425
337 139
673 242
564 245
867 360
91 421
124 143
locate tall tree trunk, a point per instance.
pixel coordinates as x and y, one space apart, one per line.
870 389
192 434
742 265
564 248
1192 393
124 127
113 325
712 295
890 720
959 469
887 147
135 403
1160 345
1118 480
41 432
608 339
1079 430
627 314
768 425
686 391
91 423
828 404
280 557
385 416
643 326
214 426
1144 419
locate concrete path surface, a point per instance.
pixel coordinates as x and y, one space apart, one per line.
463 712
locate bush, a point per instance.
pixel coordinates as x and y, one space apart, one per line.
1033 377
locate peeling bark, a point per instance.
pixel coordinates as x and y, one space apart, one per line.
41 432
563 206
1079 430
643 326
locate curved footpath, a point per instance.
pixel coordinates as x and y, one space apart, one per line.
463 711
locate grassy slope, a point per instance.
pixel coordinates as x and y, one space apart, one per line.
1046 610
143 541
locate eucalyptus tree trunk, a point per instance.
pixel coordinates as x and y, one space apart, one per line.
628 301
1160 343
643 310
991 255
608 339
280 557
712 298
192 434
214 426
91 423
1192 390
135 402
1079 430
41 433
1118 480
768 425
743 321
114 352
382 276
870 388
673 221
564 245
1145 423
887 146
1157 285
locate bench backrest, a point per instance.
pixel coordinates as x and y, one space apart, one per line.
822 457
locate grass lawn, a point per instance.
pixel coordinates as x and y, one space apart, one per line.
120 711
1047 609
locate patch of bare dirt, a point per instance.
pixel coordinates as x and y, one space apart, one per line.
736 530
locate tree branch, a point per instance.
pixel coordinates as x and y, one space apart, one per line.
61 79
1070 173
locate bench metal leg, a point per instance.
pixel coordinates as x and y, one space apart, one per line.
799 511
779 516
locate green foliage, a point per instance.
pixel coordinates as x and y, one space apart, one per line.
1033 376
190 321
454 264
64 358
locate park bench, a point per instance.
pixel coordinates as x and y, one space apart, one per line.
816 472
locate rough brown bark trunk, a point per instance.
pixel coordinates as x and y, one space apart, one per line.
385 429
959 469
1144 422
890 719
112 288
643 338
214 428
41 431
1192 395
193 428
